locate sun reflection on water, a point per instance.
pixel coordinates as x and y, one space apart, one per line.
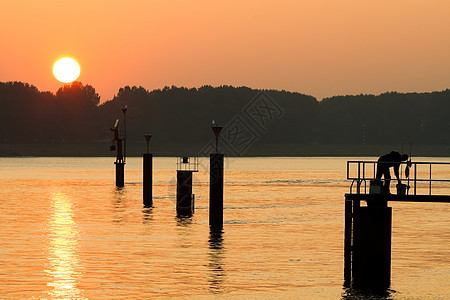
64 266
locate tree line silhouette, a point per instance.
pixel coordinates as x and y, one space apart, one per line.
178 115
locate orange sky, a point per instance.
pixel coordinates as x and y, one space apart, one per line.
317 47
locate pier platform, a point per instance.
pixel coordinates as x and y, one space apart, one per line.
368 229
399 198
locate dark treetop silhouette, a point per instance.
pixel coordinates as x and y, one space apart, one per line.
74 115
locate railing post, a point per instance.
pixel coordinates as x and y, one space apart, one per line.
415 178
374 170
364 177
358 184
430 180
348 167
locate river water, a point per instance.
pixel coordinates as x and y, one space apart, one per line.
68 233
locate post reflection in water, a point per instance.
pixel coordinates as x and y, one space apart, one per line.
216 265
64 266
357 294
119 205
183 221
147 215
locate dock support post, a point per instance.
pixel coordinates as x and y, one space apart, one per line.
120 169
184 194
216 191
348 243
371 261
148 180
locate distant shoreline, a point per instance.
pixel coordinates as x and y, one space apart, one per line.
101 149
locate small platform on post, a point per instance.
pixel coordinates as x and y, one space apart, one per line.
185 199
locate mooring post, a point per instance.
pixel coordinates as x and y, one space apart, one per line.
216 191
184 193
216 183
148 175
148 180
120 169
371 261
117 143
185 198
353 234
348 243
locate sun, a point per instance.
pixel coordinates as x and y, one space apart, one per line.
66 69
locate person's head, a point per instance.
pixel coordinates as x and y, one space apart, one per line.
404 157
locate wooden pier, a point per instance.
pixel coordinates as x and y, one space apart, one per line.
367 241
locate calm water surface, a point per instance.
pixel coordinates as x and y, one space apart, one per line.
67 233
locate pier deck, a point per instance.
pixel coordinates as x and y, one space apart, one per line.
399 198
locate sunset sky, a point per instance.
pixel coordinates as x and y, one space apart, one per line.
317 47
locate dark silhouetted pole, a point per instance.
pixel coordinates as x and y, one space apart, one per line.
185 199
216 184
124 110
148 175
348 243
120 177
184 193
120 162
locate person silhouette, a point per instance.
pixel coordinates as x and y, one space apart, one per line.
390 160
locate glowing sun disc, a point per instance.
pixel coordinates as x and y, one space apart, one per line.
66 70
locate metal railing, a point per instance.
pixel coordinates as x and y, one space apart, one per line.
366 171
187 164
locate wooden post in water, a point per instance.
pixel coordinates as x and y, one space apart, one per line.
216 184
148 180
216 191
148 175
184 193
120 177
185 198
117 144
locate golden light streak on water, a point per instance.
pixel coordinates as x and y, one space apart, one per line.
64 266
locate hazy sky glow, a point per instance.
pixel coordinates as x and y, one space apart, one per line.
317 47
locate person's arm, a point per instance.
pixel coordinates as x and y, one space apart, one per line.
396 168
